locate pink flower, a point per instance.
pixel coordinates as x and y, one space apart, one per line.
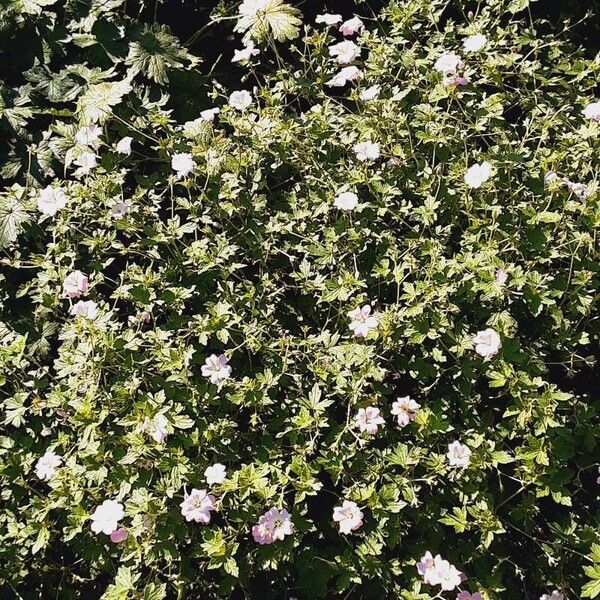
368 420
344 52
501 276
215 474
346 201
487 343
555 595
328 19
437 571
405 409
454 80
351 26
592 111
75 284
272 526
197 506
85 308
426 568
466 596
216 369
46 466
448 63
345 75
51 200
362 321
459 455
106 517
348 516
119 535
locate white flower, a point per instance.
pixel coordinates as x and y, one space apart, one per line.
368 420
106 517
581 190
555 595
328 19
157 428
215 474
197 506
477 174
183 164
209 114
51 200
246 53
119 208
240 100
487 343
459 455
46 466
344 52
86 162
124 145
216 369
346 201
85 308
475 43
75 284
367 151
592 111
362 321
448 63
88 136
348 516
405 409
550 177
370 93
351 26
345 75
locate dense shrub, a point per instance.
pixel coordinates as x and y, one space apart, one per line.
363 287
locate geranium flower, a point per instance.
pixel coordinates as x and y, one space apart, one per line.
351 26
368 420
501 276
106 517
581 190
240 100
405 410
328 19
362 321
157 427
197 506
348 516
124 145
437 571
367 151
216 369
426 568
215 474
89 136
448 63
454 80
209 114
346 201
51 200
183 164
467 596
75 284
345 75
550 177
87 162
46 465
370 93
592 111
475 43
555 595
245 53
478 174
487 343
272 526
85 308
344 52
459 455
119 535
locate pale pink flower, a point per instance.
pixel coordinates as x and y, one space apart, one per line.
106 517
501 276
487 343
405 410
46 465
581 190
124 145
370 93
345 75
475 43
454 80
85 308
246 53
450 577
368 420
467 596
89 136
459 455
119 535
348 516
209 114
216 369
157 428
272 526
86 161
346 201
215 473
183 164
75 284
197 506
426 568
448 63
362 321
344 52
555 595
367 151
328 19
351 26
51 200
550 177
478 174
592 111
240 100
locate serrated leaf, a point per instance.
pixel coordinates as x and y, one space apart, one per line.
95 105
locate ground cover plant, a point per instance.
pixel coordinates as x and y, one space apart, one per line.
310 312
